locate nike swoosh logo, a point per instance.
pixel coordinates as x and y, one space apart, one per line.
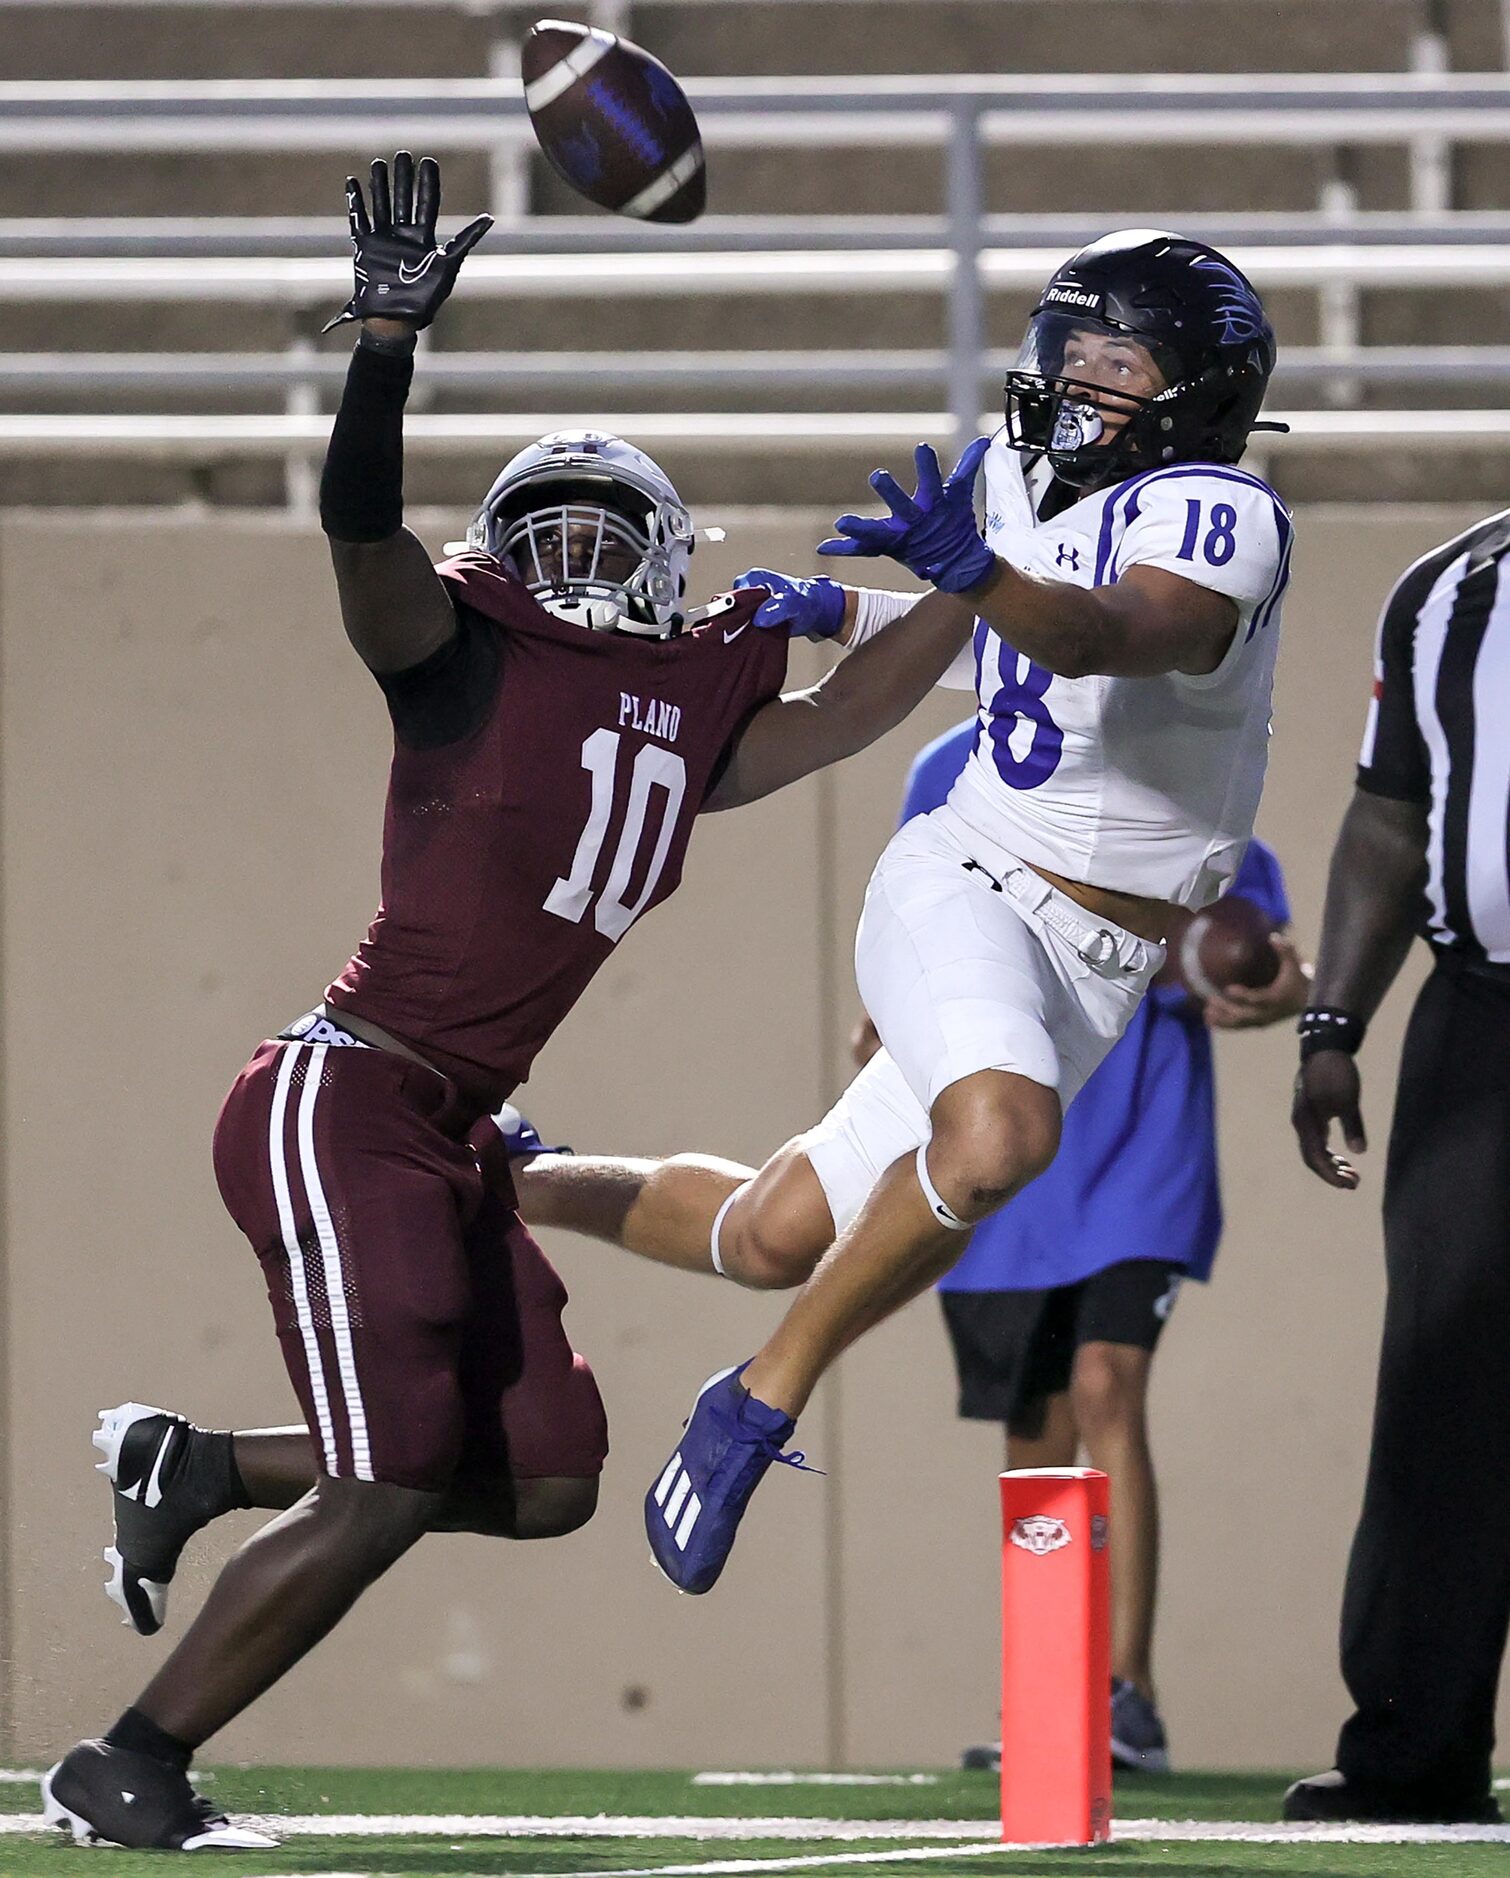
408 276
154 1490
730 637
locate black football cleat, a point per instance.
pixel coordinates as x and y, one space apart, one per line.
106 1795
158 1505
1332 1799
1139 1744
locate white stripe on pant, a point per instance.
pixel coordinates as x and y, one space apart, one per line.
276 1161
330 1252
330 1261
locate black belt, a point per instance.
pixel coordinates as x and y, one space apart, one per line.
1472 965
316 1027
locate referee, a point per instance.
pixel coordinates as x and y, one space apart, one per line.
1423 850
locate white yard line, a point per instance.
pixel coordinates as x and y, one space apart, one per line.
905 1855
590 1826
817 1780
967 1837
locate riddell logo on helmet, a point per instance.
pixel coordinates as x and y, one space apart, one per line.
1072 296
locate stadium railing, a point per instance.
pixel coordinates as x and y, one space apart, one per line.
730 433
167 237
478 113
578 374
963 253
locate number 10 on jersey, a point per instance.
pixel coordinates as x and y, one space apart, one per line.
654 769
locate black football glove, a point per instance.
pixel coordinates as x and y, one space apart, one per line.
401 273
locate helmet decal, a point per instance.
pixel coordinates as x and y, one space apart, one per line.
1235 306
1066 294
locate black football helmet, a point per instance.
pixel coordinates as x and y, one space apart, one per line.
1208 335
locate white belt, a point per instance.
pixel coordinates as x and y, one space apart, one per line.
1108 949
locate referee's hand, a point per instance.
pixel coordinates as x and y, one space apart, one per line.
1326 1091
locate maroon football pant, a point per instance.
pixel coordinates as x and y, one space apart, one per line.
420 1322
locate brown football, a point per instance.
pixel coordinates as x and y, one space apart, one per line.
613 122
1227 944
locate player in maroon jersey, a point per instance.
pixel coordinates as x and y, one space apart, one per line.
559 721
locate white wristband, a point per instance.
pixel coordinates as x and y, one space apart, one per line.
876 608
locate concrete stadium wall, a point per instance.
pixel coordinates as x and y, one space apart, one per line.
191 768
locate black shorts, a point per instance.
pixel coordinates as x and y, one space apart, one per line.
1013 1349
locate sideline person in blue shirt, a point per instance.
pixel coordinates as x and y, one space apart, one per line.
1057 1305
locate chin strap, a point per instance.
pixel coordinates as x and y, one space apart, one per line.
599 616
607 616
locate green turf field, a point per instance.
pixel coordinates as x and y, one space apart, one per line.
457 1824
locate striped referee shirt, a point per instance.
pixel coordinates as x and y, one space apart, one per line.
1438 730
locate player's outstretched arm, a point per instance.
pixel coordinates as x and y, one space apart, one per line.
1150 622
850 707
1374 890
394 606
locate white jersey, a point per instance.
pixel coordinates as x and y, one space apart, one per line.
1141 785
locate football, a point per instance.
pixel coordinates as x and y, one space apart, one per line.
613 122
1227 944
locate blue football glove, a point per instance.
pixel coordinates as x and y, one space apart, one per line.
812 609
934 532
521 1138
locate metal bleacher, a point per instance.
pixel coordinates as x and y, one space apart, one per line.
154 314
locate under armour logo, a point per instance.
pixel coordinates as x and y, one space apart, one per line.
1066 556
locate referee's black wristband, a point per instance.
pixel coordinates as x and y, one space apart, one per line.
1325 1027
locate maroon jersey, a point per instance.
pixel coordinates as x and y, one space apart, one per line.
516 856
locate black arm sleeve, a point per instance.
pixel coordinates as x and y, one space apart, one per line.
447 696
362 484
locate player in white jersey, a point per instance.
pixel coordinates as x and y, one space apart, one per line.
1127 593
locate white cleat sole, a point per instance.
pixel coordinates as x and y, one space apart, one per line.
109 1438
230 1839
217 1839
115 1589
115 1425
55 1813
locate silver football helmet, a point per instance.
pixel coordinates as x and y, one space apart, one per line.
595 529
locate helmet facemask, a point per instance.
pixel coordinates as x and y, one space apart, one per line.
595 532
1089 395
573 551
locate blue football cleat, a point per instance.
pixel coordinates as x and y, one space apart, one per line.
693 1511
